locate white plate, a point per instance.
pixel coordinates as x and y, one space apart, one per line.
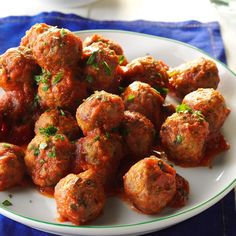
207 185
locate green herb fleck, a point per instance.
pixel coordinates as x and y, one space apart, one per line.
6 145
41 161
131 98
89 78
59 137
121 59
163 91
62 112
97 138
36 151
184 108
57 78
36 100
91 59
178 139
107 68
45 87
63 32
107 135
52 153
6 203
199 115
172 73
42 146
48 131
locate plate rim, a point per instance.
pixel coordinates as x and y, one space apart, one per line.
201 206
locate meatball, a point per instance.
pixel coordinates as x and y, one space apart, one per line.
100 67
148 70
109 43
150 184
62 90
142 98
212 105
184 135
79 198
62 120
101 152
48 157
199 73
12 166
57 48
138 133
101 110
33 33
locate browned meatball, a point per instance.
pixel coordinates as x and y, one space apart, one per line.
12 166
148 70
100 67
62 120
17 93
108 42
79 198
57 48
101 152
142 98
212 105
62 90
33 33
138 133
199 73
150 184
184 136
48 157
101 110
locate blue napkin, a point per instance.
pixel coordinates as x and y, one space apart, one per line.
218 220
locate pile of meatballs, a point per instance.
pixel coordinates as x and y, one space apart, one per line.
89 120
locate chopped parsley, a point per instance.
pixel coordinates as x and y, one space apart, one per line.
48 131
36 100
199 115
52 153
131 98
89 78
57 78
121 59
184 108
63 32
107 68
43 77
97 138
45 87
6 145
6 203
91 59
62 112
161 90
172 73
42 161
178 139
36 151
59 137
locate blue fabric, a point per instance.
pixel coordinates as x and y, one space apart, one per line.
218 220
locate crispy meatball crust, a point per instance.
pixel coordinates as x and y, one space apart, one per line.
199 73
62 90
142 98
184 136
109 43
101 110
33 33
138 133
57 48
79 198
12 166
150 184
101 152
48 159
212 105
63 120
100 67
148 70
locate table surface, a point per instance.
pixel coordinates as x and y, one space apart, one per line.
155 10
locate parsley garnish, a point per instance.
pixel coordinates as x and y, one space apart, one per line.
161 90
184 108
36 151
107 68
62 112
131 98
63 32
97 138
178 139
48 131
91 59
6 145
52 153
6 203
59 136
45 87
121 59
57 78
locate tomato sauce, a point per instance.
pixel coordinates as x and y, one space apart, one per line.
47 191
